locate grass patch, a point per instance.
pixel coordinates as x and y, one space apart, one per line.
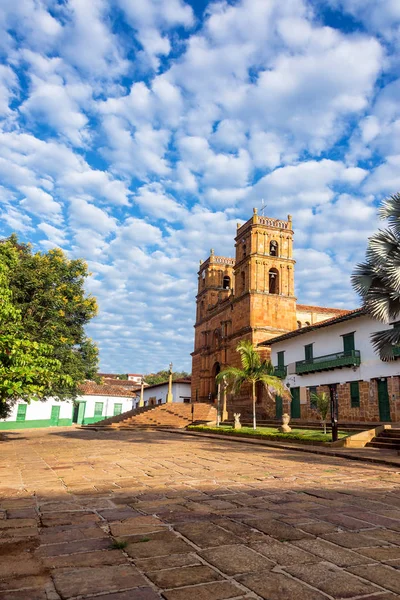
270 433
119 545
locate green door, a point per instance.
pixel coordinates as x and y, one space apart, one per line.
81 412
98 409
55 413
295 404
348 343
21 412
117 409
278 407
383 400
308 352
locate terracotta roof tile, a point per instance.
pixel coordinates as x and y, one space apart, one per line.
90 388
322 309
351 314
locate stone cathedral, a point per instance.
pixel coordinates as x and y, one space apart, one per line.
249 297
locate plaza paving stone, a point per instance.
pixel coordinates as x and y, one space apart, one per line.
145 515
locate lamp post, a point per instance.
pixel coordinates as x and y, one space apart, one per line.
170 397
219 405
334 411
224 410
141 401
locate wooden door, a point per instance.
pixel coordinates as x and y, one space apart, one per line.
81 412
383 400
295 404
55 414
21 412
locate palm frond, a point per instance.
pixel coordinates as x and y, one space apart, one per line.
381 246
234 378
275 385
382 304
249 357
390 210
385 341
363 278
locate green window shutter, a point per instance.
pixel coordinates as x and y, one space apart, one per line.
98 409
348 342
281 359
117 409
313 390
21 412
308 350
354 394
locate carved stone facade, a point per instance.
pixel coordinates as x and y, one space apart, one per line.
249 297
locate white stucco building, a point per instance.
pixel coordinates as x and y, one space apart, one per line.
337 355
157 394
96 402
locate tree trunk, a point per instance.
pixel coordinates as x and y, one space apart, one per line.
325 427
254 405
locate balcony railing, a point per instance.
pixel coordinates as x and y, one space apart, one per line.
328 362
280 372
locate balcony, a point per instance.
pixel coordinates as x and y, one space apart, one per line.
280 372
328 362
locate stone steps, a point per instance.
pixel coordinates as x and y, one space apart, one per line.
175 415
388 439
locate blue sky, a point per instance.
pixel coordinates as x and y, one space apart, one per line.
137 133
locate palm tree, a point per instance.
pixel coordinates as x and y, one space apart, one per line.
377 280
322 402
254 370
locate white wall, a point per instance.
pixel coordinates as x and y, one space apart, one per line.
108 404
38 410
41 410
328 340
179 392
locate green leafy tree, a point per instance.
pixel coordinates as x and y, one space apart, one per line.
163 376
322 402
48 290
28 369
253 370
377 280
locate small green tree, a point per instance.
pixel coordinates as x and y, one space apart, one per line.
28 370
48 291
322 402
253 370
163 376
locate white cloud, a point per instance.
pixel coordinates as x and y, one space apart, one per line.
55 237
85 215
8 89
152 19
153 200
39 202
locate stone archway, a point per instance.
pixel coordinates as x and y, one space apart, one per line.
215 370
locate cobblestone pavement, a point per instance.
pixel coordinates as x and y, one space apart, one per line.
149 515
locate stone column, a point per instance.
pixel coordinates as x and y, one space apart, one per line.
170 397
224 409
141 401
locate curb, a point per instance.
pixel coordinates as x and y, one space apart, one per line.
296 447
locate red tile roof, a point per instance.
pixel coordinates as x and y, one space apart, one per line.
181 380
90 388
350 314
322 309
